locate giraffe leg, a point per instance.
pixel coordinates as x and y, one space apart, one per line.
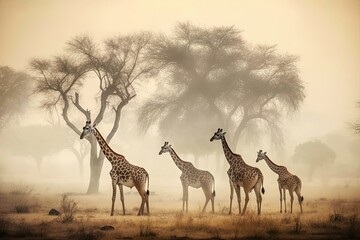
258 196
231 194
246 200
291 200
238 194
212 203
143 200
184 194
208 194
280 198
147 205
206 203
284 193
122 197
113 198
298 193
141 190
187 198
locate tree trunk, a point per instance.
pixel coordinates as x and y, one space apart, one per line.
236 136
81 167
96 164
311 171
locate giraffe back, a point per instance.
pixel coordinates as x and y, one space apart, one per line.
290 182
241 173
127 174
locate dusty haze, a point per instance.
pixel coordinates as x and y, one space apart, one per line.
324 34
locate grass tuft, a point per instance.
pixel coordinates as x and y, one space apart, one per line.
4 226
68 208
146 229
22 208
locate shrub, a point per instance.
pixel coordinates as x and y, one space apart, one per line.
68 209
23 190
22 208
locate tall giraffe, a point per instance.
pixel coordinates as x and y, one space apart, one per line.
122 172
192 177
286 180
241 175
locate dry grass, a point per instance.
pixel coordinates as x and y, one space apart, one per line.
68 209
85 215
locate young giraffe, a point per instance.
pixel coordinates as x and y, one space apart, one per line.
192 177
122 172
286 180
241 175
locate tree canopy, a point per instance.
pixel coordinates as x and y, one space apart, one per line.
314 154
15 88
213 72
115 64
36 141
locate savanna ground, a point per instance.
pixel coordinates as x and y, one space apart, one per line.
24 214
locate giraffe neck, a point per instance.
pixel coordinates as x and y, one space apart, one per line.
230 156
179 163
272 166
108 152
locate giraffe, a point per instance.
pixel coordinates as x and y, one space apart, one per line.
286 180
192 177
241 175
122 172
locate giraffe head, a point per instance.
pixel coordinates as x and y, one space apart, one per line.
87 129
218 135
260 155
165 148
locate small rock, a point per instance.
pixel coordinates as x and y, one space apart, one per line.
107 228
54 212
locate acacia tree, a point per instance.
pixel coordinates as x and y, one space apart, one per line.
116 65
15 90
213 70
315 154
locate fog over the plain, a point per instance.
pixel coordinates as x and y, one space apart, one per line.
324 34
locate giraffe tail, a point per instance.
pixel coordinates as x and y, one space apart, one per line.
148 181
213 179
302 198
262 184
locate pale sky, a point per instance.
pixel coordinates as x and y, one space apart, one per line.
325 34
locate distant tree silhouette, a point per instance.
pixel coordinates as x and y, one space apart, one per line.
36 141
15 89
315 154
115 64
356 125
215 74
